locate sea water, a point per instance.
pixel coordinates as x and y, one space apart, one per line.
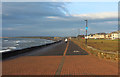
9 44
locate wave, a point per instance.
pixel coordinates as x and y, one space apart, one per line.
5 50
10 44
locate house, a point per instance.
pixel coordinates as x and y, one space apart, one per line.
91 36
115 35
97 36
108 36
100 35
112 35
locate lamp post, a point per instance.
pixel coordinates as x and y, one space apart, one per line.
78 33
86 31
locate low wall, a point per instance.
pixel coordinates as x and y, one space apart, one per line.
104 54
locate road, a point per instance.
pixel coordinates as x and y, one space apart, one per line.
59 59
58 50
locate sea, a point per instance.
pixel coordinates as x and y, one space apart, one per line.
10 44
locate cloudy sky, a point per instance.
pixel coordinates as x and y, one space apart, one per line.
58 18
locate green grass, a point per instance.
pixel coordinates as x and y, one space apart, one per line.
104 45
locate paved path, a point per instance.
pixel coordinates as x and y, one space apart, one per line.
59 59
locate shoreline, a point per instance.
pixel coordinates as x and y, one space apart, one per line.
8 54
47 38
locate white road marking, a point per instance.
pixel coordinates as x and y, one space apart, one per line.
76 51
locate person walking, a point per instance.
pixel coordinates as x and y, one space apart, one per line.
66 40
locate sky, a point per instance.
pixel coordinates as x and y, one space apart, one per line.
58 18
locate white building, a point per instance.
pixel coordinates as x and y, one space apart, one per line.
97 36
112 35
115 35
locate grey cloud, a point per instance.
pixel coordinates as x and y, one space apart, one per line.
48 19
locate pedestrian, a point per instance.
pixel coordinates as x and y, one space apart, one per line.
66 40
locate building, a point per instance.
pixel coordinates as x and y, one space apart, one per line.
100 35
91 36
112 35
97 36
108 36
115 35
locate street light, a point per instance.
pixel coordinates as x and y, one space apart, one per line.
86 31
78 34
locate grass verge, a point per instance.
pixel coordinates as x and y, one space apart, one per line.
107 49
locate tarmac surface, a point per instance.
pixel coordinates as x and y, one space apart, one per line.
58 50
59 59
73 49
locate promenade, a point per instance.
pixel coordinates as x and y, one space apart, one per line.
59 59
